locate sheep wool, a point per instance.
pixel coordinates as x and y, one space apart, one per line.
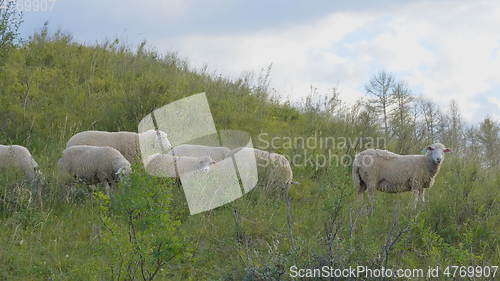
93 164
127 143
166 165
389 172
19 157
193 150
274 170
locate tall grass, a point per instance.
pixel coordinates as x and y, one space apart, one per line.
52 87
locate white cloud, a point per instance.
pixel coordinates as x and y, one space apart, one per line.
463 63
495 102
300 54
446 49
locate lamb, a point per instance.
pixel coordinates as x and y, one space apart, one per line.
390 172
274 170
166 165
127 143
94 164
19 158
193 150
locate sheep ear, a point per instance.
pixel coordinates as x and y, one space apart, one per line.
446 150
427 149
430 148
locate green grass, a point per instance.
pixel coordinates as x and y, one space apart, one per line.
52 87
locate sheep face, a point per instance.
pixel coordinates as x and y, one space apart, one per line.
164 139
38 174
436 152
205 163
151 137
123 172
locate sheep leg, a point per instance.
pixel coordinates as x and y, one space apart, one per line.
415 198
359 184
359 194
371 197
417 189
422 195
69 192
107 188
34 189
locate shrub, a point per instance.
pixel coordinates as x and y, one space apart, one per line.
150 238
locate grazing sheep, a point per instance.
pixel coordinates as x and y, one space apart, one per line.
93 164
274 170
390 172
193 150
166 165
18 157
126 142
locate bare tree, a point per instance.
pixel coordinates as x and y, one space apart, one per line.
456 120
489 138
402 121
472 143
452 128
394 235
430 113
379 87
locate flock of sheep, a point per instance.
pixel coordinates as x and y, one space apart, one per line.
104 157
99 157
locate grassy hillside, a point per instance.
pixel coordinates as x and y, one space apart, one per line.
52 87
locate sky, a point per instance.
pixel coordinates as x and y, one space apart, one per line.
445 50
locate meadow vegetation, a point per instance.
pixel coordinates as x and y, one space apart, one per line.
52 87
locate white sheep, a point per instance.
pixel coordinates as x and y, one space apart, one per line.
128 143
19 158
390 172
274 170
193 150
93 164
166 165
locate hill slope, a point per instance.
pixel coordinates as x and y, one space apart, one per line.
52 87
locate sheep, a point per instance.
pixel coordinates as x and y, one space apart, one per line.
94 164
127 143
166 165
274 170
393 173
193 150
19 158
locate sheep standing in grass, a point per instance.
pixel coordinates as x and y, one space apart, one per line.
274 170
193 150
19 158
127 143
166 165
93 164
390 172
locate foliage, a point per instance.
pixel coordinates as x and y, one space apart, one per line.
150 239
10 20
52 87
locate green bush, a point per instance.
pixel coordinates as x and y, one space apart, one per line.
52 87
140 237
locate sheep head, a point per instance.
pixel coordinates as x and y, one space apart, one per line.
205 163
436 152
123 172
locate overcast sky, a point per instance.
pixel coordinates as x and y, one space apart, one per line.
444 49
